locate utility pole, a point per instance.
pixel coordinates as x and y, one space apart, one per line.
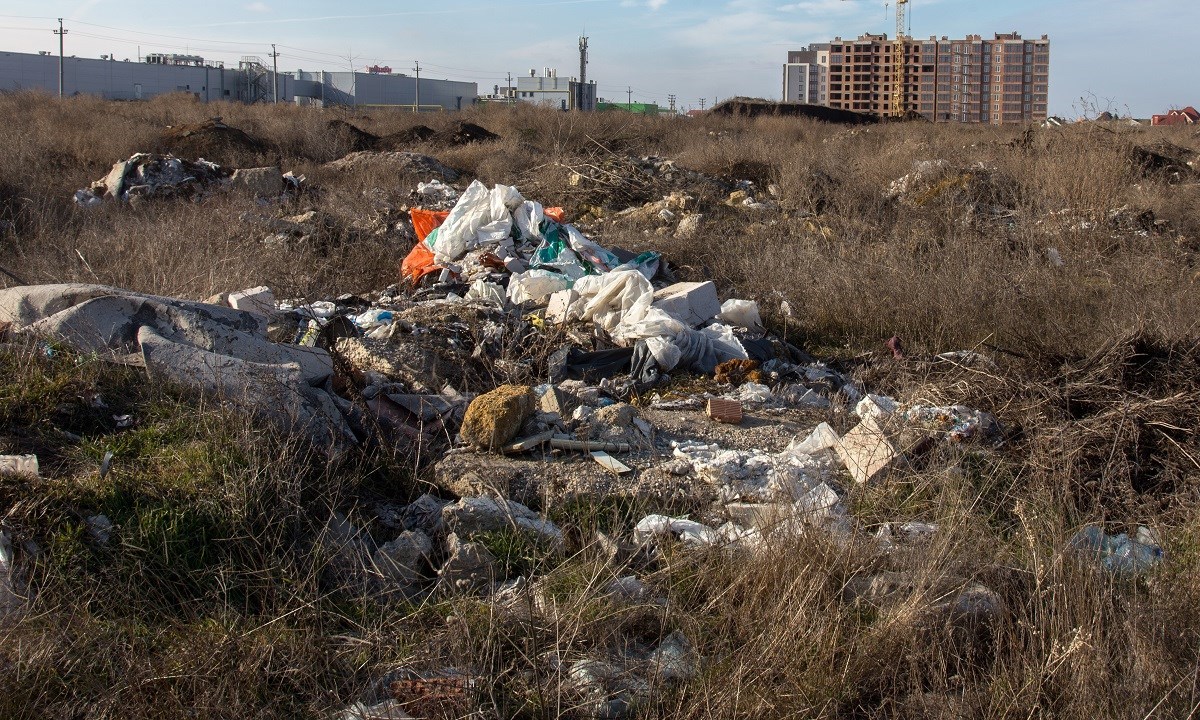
60 33
417 103
671 100
509 97
275 73
628 96
702 101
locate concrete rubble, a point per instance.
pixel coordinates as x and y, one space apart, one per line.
145 176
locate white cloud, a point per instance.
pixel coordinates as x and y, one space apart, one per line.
258 7
651 4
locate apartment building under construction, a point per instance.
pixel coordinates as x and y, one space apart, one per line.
996 81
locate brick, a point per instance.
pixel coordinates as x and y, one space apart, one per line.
725 411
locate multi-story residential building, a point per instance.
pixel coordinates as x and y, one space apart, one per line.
805 76
995 81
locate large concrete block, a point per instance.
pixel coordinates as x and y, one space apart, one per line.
691 302
256 300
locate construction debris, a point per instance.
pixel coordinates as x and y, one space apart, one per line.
146 176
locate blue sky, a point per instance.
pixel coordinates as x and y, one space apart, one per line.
1137 56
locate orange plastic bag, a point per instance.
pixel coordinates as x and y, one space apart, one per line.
555 213
418 264
424 221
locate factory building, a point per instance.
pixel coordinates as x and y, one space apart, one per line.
252 81
550 90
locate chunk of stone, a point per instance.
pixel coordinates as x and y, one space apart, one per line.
470 565
401 559
689 226
495 418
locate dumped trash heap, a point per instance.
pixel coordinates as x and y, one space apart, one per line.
523 364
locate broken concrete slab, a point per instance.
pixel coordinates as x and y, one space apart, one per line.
693 303
553 399
256 300
866 451
261 182
276 392
114 182
99 318
474 515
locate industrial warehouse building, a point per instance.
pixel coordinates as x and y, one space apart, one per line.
252 81
997 81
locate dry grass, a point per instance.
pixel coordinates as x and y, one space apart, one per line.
216 600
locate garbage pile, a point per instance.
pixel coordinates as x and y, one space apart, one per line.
144 176
986 193
521 365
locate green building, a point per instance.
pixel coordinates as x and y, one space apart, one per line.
638 108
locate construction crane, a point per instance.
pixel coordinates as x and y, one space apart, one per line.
896 106
898 94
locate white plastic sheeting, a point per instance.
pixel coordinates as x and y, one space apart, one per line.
481 216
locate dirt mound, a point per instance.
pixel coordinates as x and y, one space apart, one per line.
352 138
460 133
753 107
394 162
463 133
214 141
404 138
1162 160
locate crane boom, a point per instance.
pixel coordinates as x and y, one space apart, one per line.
898 74
896 106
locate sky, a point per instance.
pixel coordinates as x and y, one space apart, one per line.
1132 57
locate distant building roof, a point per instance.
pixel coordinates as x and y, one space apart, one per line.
1186 116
